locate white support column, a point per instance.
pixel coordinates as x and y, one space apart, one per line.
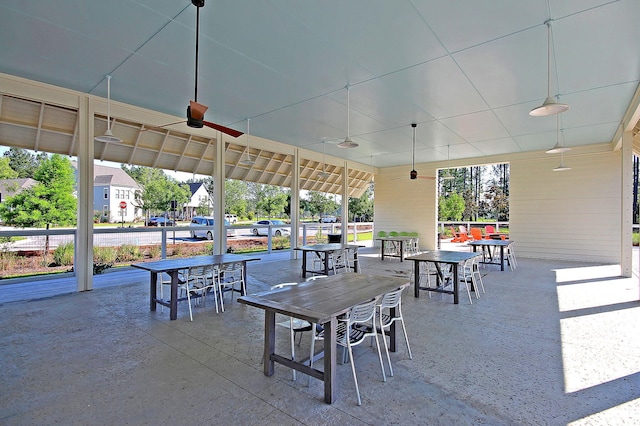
295 202
83 263
345 202
626 210
219 233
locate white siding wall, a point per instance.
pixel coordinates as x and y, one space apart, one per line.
402 204
572 215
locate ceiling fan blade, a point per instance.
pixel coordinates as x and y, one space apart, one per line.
197 110
231 132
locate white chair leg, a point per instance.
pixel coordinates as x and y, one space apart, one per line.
293 345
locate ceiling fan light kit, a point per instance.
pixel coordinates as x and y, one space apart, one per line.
108 136
550 106
348 143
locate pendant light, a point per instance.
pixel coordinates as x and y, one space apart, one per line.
561 167
413 174
247 161
348 143
550 105
323 174
108 135
559 147
448 176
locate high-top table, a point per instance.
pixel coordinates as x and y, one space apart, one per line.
439 257
319 302
398 241
173 266
323 251
488 244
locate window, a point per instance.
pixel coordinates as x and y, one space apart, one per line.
106 193
117 194
105 210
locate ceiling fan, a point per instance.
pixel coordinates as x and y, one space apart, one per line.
413 174
195 110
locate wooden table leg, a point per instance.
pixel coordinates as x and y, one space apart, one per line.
330 359
382 248
269 341
153 290
416 277
502 258
326 263
304 264
173 309
455 283
392 329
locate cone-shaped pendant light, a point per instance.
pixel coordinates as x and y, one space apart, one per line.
247 160
108 135
559 147
550 106
347 142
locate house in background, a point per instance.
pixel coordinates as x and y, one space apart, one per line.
11 187
199 197
111 187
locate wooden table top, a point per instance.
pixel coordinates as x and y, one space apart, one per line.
319 300
188 262
443 256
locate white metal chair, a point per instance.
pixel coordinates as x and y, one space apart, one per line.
198 281
511 256
291 324
353 330
392 299
228 276
340 261
475 273
468 277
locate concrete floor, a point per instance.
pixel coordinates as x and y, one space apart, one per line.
551 343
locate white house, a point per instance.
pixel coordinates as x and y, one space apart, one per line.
199 197
113 188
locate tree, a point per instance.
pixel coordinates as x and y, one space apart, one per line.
6 172
23 162
450 207
318 203
235 197
361 207
272 200
49 202
158 189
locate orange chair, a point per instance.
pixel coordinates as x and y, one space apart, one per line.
476 234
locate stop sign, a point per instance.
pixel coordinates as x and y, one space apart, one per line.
123 204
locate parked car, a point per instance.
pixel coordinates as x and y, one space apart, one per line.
328 219
232 218
276 231
160 221
200 221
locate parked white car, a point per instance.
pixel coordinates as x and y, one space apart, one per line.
276 231
200 221
328 219
232 218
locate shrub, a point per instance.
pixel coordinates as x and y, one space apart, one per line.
128 253
104 255
8 260
63 254
154 252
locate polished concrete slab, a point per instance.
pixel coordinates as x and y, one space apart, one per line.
549 343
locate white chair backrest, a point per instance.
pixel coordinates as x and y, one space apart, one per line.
316 277
391 299
282 285
363 312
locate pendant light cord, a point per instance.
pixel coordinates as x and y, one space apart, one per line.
548 57
108 102
195 96
348 114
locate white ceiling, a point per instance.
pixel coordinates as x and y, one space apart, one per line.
466 71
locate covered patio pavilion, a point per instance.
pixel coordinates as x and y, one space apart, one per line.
553 342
